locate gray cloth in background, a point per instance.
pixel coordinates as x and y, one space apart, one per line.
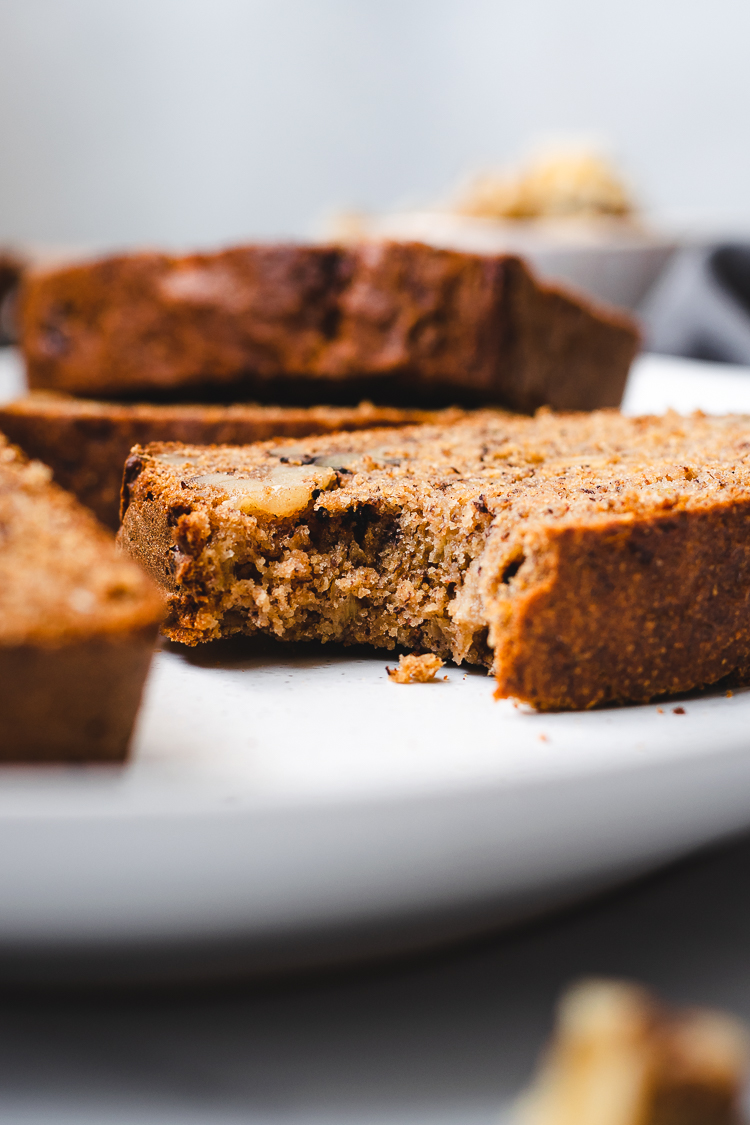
700 306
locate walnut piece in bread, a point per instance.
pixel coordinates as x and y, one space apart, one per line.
85 442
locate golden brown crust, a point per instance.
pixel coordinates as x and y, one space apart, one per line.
560 355
77 624
73 703
632 610
587 558
395 322
86 442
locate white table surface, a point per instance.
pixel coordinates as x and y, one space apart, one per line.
444 1039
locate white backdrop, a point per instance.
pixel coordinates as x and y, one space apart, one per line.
201 121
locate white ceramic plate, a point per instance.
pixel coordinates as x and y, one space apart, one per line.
288 805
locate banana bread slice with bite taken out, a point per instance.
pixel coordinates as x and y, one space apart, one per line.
585 559
78 623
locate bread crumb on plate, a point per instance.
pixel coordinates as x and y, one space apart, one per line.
416 669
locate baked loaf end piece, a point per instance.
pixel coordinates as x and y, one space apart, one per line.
620 1058
399 323
85 442
586 558
77 625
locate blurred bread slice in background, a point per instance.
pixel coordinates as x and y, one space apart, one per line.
399 323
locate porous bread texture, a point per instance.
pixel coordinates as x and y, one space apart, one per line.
398 323
585 559
77 624
618 1057
85 442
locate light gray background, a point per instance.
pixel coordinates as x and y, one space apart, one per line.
202 121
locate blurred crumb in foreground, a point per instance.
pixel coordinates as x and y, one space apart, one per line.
556 184
618 1057
416 669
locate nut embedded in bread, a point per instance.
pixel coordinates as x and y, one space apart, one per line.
620 1058
398 323
85 442
586 559
77 625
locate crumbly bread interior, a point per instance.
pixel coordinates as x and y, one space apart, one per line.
61 579
424 537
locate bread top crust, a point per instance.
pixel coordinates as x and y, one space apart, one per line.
551 470
61 576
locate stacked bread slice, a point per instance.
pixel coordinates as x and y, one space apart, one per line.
399 323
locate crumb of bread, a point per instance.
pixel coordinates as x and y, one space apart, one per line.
620 1058
416 669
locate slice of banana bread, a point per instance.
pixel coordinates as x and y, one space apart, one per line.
85 442
398 323
586 558
77 624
